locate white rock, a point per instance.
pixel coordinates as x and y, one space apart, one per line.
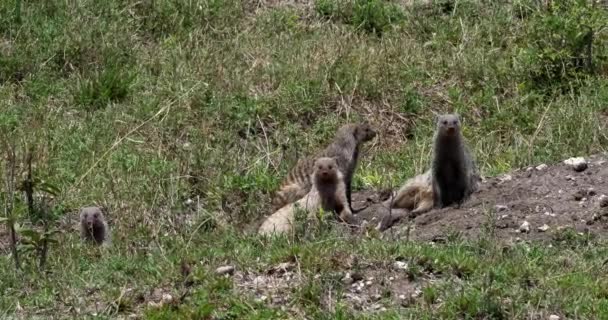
400 265
187 146
603 199
401 297
167 298
577 164
524 227
541 167
547 213
368 282
553 317
543 228
224 270
348 279
505 177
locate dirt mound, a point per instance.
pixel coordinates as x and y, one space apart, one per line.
548 199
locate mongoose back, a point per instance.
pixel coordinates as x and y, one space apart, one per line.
93 226
344 148
328 192
416 195
453 171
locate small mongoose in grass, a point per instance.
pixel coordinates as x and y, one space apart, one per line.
93 226
344 148
416 195
328 192
454 174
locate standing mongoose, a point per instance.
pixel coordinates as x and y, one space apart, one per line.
453 172
93 226
416 195
344 148
328 192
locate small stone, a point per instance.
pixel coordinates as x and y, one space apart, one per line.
528 169
547 213
577 164
224 270
578 196
505 177
570 178
603 201
188 202
553 317
591 192
376 297
187 146
541 167
400 265
368 282
543 228
391 278
500 208
524 227
347 279
167 298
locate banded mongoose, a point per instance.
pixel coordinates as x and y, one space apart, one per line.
328 192
93 226
344 148
416 195
454 175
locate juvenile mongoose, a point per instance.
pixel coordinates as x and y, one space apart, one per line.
344 148
328 192
453 170
93 226
416 195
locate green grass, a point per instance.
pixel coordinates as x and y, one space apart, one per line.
141 106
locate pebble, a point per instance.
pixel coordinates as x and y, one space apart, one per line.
591 192
578 196
506 177
225 270
577 164
167 298
347 279
543 228
541 167
553 317
500 208
603 201
524 227
400 265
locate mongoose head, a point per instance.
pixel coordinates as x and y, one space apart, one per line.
326 169
448 124
91 217
364 132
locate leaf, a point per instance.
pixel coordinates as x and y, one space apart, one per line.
32 234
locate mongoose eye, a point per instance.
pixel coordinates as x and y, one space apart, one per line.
95 215
455 122
445 122
331 167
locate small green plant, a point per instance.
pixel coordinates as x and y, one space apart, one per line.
375 16
111 84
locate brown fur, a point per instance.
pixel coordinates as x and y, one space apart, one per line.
344 148
328 192
415 195
93 226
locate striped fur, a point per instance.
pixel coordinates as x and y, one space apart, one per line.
344 148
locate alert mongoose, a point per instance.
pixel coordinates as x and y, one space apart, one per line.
344 148
93 226
454 175
328 192
416 195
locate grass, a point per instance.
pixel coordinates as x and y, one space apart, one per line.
144 106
